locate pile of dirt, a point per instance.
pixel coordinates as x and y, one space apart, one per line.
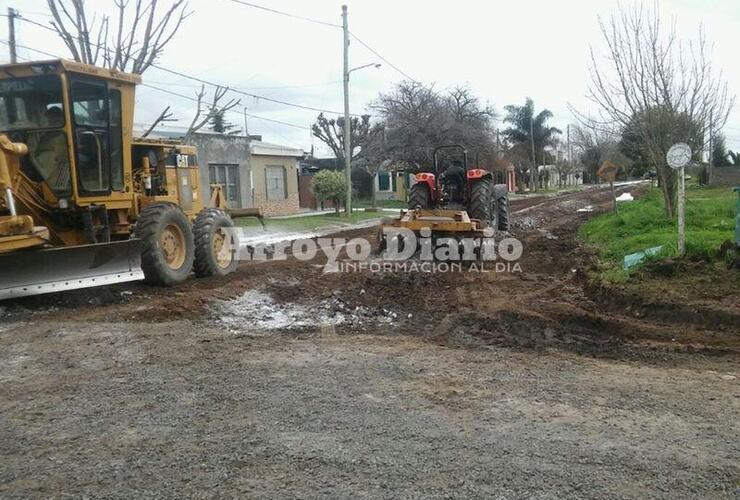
550 303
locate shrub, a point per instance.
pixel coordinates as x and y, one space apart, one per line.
329 185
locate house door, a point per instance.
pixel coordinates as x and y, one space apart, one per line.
228 177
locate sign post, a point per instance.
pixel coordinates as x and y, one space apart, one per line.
678 157
608 171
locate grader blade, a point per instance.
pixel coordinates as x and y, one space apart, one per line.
34 272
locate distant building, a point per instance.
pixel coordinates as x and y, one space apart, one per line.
275 178
391 185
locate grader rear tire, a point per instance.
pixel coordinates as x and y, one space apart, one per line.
168 248
212 232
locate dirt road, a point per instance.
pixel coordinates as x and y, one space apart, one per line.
283 381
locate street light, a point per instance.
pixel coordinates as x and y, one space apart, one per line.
347 137
377 65
347 130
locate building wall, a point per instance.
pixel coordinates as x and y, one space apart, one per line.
397 185
224 150
288 206
725 176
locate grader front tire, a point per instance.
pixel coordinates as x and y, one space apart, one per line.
168 247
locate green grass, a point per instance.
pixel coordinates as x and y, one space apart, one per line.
381 203
641 224
308 223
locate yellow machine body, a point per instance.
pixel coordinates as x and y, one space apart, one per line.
71 171
439 221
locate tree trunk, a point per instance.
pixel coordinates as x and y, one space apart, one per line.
373 194
668 187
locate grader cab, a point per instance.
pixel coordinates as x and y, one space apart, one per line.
83 202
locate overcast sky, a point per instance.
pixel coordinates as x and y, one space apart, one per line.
505 51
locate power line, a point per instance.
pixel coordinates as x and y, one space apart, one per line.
182 127
364 44
368 47
286 14
248 94
176 94
193 99
302 86
206 82
276 87
32 49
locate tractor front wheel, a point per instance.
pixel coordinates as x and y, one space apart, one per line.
168 253
215 243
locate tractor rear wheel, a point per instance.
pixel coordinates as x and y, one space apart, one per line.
482 205
215 243
168 248
419 196
501 192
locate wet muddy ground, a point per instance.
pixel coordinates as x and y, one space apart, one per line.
285 381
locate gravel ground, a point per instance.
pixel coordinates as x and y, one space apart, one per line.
100 411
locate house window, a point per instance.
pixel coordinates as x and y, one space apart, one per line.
384 181
228 177
275 182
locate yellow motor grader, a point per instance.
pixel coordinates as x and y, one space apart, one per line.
83 202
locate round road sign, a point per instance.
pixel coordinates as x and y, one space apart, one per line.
679 155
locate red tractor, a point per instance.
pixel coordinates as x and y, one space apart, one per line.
458 188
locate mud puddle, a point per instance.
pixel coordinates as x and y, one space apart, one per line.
258 312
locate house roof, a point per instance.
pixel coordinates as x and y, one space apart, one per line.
262 148
259 148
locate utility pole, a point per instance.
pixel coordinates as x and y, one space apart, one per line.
682 211
347 124
570 161
246 129
12 14
710 171
535 170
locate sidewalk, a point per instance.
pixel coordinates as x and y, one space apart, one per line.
331 211
252 236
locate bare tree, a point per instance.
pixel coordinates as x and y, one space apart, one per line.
665 86
330 131
366 140
204 114
593 145
131 43
418 117
164 116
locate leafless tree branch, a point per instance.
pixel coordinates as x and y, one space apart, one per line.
164 116
651 79
204 114
140 27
